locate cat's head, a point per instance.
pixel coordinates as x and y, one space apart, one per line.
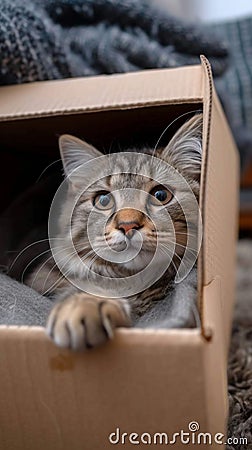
124 203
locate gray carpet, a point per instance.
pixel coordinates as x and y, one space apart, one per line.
240 356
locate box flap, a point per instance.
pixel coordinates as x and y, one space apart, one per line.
218 202
152 87
215 357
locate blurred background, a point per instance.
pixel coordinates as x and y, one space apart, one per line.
231 19
206 11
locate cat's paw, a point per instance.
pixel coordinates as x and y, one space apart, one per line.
81 322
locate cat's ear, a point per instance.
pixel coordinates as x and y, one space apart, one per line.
75 152
184 151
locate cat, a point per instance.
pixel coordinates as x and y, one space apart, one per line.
120 213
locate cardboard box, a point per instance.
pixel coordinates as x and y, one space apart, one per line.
144 381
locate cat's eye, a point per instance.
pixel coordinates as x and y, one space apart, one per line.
160 195
104 200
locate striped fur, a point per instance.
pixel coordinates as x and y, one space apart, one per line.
81 320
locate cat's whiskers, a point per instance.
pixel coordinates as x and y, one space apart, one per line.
178 233
29 246
175 243
59 279
38 256
172 262
65 274
30 262
168 126
81 250
165 247
185 247
101 239
53 253
167 251
45 169
70 256
87 255
92 261
44 263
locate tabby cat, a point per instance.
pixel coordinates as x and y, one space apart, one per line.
120 213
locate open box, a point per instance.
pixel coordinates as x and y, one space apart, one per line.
144 381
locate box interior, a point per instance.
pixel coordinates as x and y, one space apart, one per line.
30 148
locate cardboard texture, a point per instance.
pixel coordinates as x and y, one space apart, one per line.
144 381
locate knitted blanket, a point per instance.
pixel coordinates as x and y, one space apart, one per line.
237 80
69 38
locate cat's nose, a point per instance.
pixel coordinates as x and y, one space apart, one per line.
128 228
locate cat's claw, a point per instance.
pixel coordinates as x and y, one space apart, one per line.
81 322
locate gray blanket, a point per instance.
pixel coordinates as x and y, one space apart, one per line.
68 38
21 305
